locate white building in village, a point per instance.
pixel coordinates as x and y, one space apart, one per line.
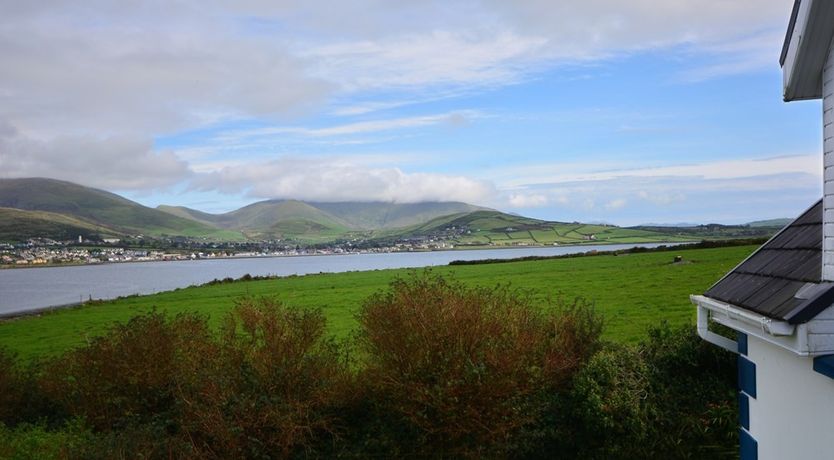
780 300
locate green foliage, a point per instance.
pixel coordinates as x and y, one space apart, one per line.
12 384
38 442
609 405
692 393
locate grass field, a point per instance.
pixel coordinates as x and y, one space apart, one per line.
632 292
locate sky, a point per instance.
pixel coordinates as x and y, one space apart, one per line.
644 111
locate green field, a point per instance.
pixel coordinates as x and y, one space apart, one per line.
632 291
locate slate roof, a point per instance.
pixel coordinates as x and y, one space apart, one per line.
782 279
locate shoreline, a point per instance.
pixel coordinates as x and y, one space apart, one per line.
457 249
13 315
37 311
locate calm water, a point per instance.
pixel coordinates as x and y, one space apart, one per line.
33 288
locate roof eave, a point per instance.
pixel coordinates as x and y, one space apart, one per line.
806 48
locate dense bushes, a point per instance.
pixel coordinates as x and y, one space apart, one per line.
468 368
435 369
673 396
275 388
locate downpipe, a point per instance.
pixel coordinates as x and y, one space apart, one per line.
712 337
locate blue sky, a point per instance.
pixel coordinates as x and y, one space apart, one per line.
621 112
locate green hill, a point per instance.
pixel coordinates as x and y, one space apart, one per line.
273 219
57 209
381 215
770 222
320 222
188 213
41 224
493 228
99 208
714 231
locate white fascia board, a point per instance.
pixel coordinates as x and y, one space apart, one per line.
790 68
807 50
780 333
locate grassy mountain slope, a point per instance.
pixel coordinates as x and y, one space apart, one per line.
770 222
105 209
713 231
381 215
41 224
191 214
320 222
265 214
352 215
499 229
273 219
58 209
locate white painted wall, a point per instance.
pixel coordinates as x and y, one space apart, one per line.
828 161
792 416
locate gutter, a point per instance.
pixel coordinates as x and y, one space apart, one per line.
712 337
777 332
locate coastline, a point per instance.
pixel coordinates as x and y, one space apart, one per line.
34 310
263 256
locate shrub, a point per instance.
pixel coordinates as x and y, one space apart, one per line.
275 387
133 374
467 367
693 395
12 384
671 396
608 407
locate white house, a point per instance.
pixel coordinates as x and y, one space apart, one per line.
780 300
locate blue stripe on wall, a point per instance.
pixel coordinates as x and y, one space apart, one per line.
744 410
746 376
825 365
748 447
741 339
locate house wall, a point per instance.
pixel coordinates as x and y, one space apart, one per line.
828 161
790 415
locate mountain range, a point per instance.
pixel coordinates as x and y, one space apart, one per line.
48 208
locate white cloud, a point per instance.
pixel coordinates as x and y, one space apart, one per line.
335 179
454 119
615 204
114 163
525 200
661 198
737 170
594 28
474 57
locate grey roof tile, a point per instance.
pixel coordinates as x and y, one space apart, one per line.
768 281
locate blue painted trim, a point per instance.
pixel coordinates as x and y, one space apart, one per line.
825 365
744 410
748 447
746 376
741 339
